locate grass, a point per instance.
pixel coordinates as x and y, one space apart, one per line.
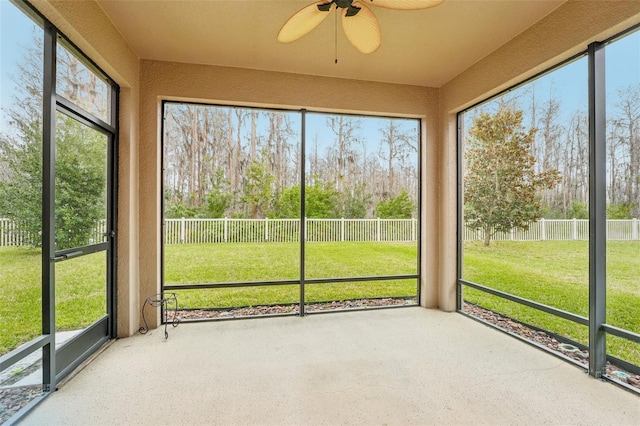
247 262
80 294
240 262
556 273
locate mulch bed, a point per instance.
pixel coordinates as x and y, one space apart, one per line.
544 339
13 399
249 311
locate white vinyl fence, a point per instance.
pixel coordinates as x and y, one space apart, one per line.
563 230
204 231
199 231
14 233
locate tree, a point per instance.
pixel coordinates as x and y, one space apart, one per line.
399 207
258 188
81 155
396 145
353 202
321 202
501 188
219 199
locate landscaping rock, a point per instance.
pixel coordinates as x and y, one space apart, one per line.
542 338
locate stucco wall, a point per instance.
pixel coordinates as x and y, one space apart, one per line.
164 80
559 36
84 23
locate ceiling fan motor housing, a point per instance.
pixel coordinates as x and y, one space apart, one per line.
345 4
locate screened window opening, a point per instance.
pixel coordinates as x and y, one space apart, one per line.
549 176
262 217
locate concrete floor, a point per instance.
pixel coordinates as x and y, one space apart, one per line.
398 366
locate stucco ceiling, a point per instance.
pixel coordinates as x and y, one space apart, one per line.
424 47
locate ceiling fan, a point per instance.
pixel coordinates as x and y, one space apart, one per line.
358 22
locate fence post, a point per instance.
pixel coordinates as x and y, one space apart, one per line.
378 230
414 223
575 229
543 230
511 232
266 229
226 229
305 228
634 229
342 229
182 230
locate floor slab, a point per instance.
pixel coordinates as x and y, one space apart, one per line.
396 366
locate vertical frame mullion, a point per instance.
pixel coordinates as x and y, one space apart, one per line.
303 214
597 210
48 207
112 211
460 209
419 215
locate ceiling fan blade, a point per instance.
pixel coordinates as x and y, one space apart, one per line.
362 30
302 22
403 4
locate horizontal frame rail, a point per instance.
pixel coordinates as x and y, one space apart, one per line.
8 359
530 303
174 287
625 334
607 328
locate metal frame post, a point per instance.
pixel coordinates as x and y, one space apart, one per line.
460 209
48 203
597 210
303 212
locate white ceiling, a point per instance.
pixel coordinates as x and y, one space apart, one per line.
422 47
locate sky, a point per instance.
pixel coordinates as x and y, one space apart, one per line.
15 33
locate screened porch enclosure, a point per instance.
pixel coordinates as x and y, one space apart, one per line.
566 261
272 212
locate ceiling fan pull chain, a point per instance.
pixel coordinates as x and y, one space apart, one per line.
335 35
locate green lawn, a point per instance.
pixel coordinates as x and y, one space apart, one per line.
80 294
556 273
250 262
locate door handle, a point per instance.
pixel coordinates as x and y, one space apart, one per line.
66 256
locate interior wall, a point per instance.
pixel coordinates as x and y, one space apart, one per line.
84 23
559 36
222 85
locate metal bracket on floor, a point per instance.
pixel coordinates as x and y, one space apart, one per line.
167 302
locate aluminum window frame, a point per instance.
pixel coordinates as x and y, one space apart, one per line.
302 281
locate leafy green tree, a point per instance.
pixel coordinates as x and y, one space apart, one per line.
621 211
81 155
501 187
287 204
179 209
219 199
21 187
353 202
578 210
320 202
258 189
21 149
399 207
